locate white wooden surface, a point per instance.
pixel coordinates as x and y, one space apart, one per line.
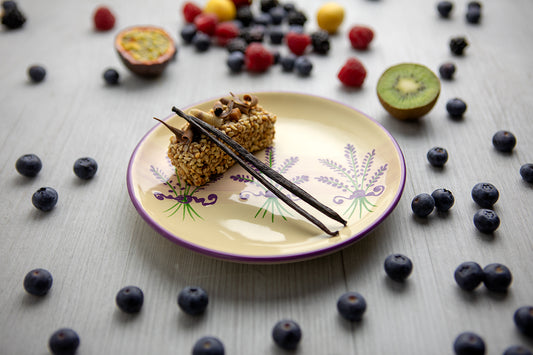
94 242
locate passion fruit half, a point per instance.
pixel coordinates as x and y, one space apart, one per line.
408 90
145 50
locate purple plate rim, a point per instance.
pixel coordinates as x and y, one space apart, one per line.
273 258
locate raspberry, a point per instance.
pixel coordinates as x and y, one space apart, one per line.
104 20
206 23
190 11
353 73
225 32
258 58
298 42
360 37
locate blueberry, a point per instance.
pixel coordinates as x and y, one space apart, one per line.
28 165
444 8
473 15
85 168
526 171
486 221
504 141
458 45
398 267
485 194
8 5
303 66
187 32
36 73
523 319
351 306
277 15
236 44
497 277
473 5
517 350
235 61
287 62
38 282
287 334
422 205
276 35
444 199
45 198
64 341
469 275
111 76
208 345
437 156
201 41
456 107
193 300
130 299
263 19
447 70
469 343
320 42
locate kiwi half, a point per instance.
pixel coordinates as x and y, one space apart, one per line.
408 90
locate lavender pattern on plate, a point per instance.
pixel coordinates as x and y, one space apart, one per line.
357 181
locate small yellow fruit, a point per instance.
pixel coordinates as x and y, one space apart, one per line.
330 16
224 9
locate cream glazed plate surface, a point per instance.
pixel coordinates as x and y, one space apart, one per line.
342 157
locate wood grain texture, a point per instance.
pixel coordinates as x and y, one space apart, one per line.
94 242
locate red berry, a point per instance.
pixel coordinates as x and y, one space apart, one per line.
298 42
257 58
360 37
239 3
225 32
353 73
190 11
206 23
104 20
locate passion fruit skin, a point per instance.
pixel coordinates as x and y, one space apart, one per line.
416 111
146 67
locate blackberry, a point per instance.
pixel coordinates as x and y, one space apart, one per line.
130 299
287 334
64 341
289 6
469 275
208 345
38 282
245 15
351 306
456 107
526 171
296 17
523 319
445 8
422 205
29 165
437 156
237 44
111 76
193 300
13 18
44 199
444 199
485 194
447 70
267 5
486 221
504 141
85 168
255 33
398 267
36 73
469 343
497 277
458 45
320 42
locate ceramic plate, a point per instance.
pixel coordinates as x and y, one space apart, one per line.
342 157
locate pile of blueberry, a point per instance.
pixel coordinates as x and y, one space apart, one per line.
473 10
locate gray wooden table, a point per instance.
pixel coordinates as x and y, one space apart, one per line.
94 242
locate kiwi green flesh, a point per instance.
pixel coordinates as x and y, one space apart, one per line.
408 90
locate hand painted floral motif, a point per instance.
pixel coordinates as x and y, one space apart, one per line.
272 203
357 180
183 194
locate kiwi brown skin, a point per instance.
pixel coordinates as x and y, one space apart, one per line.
415 112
